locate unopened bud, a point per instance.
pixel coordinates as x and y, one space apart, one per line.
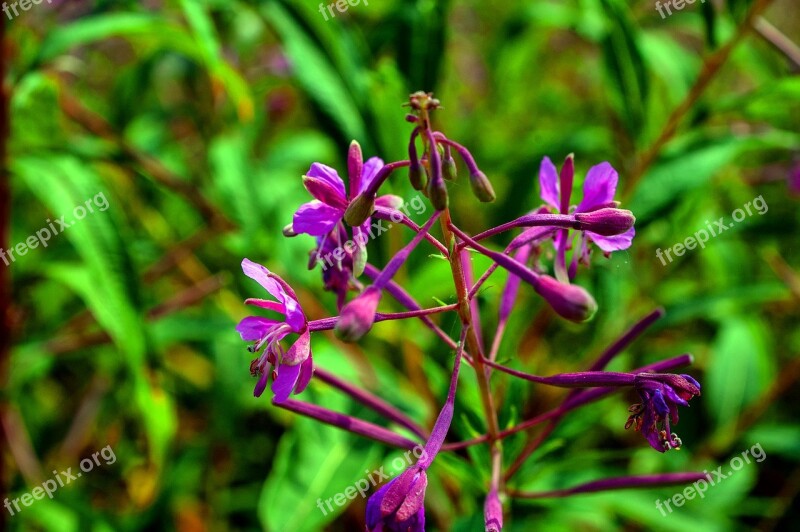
437 193
449 171
568 300
606 222
288 231
358 315
359 210
418 176
481 187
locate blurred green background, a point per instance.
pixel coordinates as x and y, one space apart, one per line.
195 119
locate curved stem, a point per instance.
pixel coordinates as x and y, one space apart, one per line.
384 213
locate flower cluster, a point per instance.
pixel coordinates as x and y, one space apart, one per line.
538 256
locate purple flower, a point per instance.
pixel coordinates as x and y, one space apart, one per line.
661 394
599 188
320 216
293 368
399 505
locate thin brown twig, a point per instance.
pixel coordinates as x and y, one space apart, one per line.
711 67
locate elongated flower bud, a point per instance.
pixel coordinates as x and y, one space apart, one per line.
481 187
568 300
358 315
437 192
417 175
359 210
493 512
606 222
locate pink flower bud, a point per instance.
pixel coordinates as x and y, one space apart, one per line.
606 222
568 300
358 315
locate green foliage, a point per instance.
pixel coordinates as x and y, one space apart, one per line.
196 120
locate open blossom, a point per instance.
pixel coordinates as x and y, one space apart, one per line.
599 189
326 211
661 394
293 368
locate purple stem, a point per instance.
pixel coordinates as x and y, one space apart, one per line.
469 161
384 213
563 221
507 301
586 379
371 401
442 425
381 176
616 483
327 324
582 398
405 299
348 423
400 258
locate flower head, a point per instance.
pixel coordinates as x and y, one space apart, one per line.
599 189
661 394
399 505
293 368
326 211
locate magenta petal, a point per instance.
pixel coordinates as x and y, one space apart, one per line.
283 385
548 181
316 218
369 171
328 175
299 351
613 243
261 385
254 328
599 187
261 275
306 372
269 305
324 192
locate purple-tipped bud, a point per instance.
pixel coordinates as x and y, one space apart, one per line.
358 315
568 300
359 210
493 512
399 505
449 170
481 187
418 176
355 164
606 222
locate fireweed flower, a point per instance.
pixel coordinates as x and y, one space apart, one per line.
292 368
661 394
321 215
337 273
599 189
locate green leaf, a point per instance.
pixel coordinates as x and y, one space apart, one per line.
740 370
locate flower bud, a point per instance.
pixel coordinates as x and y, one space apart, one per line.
417 175
358 315
437 192
568 300
449 170
606 222
493 512
288 231
359 210
481 186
